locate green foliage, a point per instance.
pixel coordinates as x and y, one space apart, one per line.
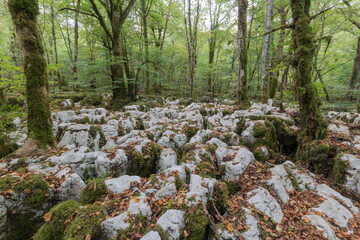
36 190
55 226
93 191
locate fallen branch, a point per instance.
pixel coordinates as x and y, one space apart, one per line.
212 224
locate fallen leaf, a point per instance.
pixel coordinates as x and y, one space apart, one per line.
47 217
186 233
27 191
136 199
88 237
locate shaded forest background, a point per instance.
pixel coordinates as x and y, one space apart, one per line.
155 58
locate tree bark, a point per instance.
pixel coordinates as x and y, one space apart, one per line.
144 13
58 75
355 74
76 45
191 36
265 52
39 124
279 54
242 56
312 124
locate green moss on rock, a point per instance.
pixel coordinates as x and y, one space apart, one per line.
138 226
55 227
87 221
339 170
190 131
265 135
37 190
144 164
7 181
93 191
197 223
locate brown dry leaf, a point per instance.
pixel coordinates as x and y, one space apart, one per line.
318 213
27 191
186 233
97 213
10 191
266 217
229 227
306 219
136 199
88 237
47 217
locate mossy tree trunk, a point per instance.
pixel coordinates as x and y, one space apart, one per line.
313 126
242 54
24 15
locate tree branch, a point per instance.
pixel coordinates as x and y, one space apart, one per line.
101 20
78 11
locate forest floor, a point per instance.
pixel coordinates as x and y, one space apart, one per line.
176 170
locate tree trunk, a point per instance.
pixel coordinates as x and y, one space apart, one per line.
58 76
39 124
144 14
265 52
117 71
242 56
279 54
282 87
76 45
312 123
355 74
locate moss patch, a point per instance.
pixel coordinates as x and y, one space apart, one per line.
55 227
87 221
265 134
190 131
7 181
197 223
339 170
144 164
93 191
36 190
138 226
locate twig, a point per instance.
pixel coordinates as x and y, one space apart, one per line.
212 224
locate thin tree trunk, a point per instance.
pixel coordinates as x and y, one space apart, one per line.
242 56
58 75
282 87
279 54
144 13
265 52
355 74
76 45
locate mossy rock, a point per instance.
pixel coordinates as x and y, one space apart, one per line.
197 222
265 135
190 131
138 226
54 228
22 225
87 221
339 169
94 131
93 191
92 100
259 154
36 191
315 155
221 195
7 181
7 147
206 167
21 163
227 111
144 164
